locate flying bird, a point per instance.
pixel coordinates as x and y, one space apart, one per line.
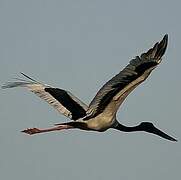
100 114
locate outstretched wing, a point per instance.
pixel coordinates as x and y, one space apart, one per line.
63 101
113 93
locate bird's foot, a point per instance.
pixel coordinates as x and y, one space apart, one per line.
31 131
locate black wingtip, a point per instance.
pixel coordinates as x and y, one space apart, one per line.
28 77
162 46
165 40
165 36
157 51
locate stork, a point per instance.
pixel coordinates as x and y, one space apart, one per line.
100 115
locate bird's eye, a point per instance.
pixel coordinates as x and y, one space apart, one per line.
147 124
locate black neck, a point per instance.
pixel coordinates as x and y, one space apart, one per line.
128 129
144 126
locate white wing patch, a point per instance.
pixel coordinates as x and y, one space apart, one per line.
39 90
73 108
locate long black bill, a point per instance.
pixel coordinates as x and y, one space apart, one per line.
162 134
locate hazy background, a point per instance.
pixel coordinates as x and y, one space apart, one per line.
79 45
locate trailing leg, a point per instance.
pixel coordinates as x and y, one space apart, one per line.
32 131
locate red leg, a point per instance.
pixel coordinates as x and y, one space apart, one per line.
32 131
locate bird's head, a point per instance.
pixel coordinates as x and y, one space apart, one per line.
149 127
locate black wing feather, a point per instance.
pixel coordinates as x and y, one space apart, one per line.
63 101
64 98
135 69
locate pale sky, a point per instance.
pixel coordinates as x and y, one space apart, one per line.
78 46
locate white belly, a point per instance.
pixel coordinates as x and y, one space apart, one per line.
104 120
100 123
